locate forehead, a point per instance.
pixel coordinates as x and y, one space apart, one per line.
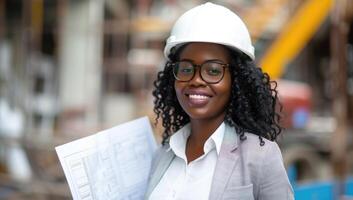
200 52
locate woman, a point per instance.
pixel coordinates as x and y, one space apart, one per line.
219 114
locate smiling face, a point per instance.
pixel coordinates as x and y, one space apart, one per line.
201 100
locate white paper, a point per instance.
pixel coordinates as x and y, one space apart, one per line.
113 164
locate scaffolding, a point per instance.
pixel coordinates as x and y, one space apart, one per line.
70 68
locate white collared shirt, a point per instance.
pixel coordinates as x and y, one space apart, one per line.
184 181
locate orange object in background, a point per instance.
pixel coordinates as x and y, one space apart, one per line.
296 99
295 35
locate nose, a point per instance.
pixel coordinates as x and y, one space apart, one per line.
197 79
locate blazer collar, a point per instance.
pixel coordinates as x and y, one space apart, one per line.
226 163
230 139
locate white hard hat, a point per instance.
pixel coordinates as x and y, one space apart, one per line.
210 23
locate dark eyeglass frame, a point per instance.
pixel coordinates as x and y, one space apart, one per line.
174 64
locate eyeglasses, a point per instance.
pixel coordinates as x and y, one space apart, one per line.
210 71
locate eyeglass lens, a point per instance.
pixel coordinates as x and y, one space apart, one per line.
211 72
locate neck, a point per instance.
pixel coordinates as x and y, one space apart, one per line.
202 129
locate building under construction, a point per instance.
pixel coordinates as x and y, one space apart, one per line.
69 68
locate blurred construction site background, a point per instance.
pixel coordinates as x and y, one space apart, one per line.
69 68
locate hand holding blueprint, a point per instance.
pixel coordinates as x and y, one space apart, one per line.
113 164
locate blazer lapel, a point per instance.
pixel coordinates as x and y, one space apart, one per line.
162 166
227 160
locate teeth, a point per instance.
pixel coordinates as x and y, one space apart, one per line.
196 96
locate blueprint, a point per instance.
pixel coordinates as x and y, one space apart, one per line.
113 164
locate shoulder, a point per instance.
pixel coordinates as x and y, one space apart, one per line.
267 168
160 152
261 159
261 165
251 147
159 155
252 144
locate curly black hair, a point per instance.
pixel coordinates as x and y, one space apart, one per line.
253 107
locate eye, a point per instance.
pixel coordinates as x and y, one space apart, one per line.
185 68
214 72
213 69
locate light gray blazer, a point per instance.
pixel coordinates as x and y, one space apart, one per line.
244 170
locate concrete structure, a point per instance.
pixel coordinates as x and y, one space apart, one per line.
80 59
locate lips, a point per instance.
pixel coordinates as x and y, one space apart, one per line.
197 98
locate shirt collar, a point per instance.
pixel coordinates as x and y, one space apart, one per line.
216 139
178 140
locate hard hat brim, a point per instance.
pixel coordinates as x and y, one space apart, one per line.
178 44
